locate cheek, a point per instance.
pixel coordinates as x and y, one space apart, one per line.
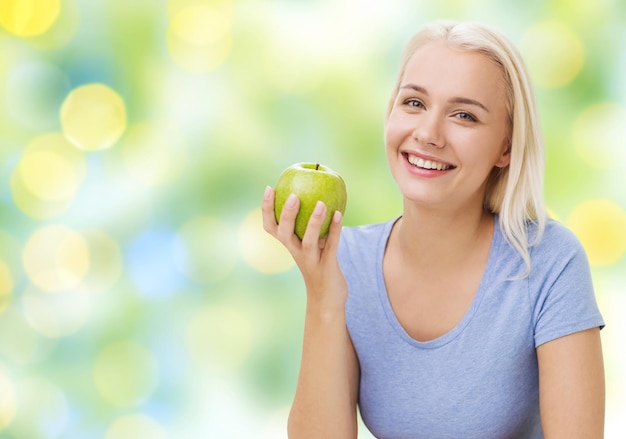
479 148
395 132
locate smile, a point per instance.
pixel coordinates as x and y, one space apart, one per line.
427 164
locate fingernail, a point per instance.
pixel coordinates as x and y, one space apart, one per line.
337 217
319 208
291 200
268 191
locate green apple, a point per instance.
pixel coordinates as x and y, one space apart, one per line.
311 182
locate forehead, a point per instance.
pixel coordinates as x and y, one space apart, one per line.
438 67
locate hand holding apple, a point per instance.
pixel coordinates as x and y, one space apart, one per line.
310 182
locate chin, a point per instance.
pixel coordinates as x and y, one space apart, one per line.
423 196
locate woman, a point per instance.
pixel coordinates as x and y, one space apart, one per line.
471 315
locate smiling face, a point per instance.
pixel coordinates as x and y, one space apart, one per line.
447 129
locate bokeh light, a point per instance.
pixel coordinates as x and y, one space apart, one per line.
33 206
93 117
106 262
220 337
601 227
56 258
62 30
125 373
42 410
10 257
585 13
152 264
138 426
6 286
553 52
7 399
27 18
199 37
56 315
259 249
598 135
47 177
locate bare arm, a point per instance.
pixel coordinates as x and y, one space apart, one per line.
571 386
324 405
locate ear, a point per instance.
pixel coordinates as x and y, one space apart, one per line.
505 156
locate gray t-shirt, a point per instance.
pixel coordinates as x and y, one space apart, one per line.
480 380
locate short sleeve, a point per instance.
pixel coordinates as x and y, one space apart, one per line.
561 279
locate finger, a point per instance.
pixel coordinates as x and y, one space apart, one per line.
267 208
322 242
311 237
286 224
334 233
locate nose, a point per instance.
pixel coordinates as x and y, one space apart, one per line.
428 130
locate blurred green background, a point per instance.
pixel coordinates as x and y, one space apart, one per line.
139 295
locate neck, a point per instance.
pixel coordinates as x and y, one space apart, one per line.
441 238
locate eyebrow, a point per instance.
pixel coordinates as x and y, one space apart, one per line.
455 100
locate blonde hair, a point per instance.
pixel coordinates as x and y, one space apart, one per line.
515 192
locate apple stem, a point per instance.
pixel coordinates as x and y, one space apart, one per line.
317 166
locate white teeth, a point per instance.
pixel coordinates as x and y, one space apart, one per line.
427 164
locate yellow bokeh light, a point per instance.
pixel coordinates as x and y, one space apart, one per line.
8 403
93 117
56 315
585 13
601 227
125 373
56 258
57 145
598 135
49 176
27 18
11 274
552 214
200 25
136 426
207 254
46 179
33 206
259 249
175 6
62 31
220 337
6 286
106 263
553 52
199 37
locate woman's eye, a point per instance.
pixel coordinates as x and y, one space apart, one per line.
413 103
466 116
